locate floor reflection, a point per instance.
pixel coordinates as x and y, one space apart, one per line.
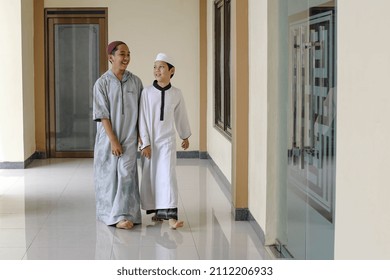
48 212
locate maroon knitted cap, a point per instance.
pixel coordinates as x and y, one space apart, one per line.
111 46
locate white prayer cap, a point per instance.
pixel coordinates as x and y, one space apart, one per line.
164 57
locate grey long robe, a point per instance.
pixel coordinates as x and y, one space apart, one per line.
116 178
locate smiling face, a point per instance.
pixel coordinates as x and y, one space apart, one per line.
121 58
162 73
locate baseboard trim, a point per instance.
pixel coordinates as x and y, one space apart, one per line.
22 164
241 214
12 165
42 155
256 227
187 154
204 155
221 178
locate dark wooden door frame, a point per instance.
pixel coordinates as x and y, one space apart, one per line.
68 15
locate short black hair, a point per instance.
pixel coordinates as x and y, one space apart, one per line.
170 66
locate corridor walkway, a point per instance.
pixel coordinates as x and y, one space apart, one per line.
47 211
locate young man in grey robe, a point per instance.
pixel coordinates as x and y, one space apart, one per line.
115 109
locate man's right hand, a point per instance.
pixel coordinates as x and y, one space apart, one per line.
146 152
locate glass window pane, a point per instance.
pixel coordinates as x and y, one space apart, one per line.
76 70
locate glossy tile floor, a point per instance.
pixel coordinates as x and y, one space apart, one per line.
47 211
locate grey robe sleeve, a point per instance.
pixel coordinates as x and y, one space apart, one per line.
100 101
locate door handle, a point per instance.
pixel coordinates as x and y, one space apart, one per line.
310 150
309 45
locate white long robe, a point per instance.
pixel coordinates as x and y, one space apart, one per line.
159 184
116 178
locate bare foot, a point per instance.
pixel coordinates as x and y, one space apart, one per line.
125 224
174 224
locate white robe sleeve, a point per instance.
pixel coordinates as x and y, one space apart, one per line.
143 120
181 119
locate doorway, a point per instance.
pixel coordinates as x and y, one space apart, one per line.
311 133
75 58
307 87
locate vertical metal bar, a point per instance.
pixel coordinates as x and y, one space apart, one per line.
302 98
312 89
294 89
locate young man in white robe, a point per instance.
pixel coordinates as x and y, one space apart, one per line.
162 113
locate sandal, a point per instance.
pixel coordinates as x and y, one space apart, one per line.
156 219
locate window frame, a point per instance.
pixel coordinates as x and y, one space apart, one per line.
222 75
